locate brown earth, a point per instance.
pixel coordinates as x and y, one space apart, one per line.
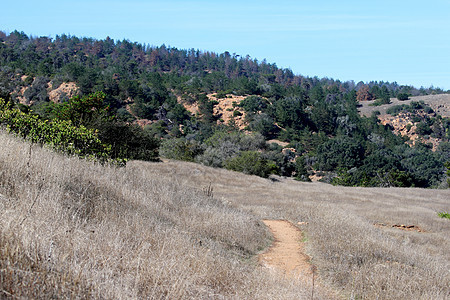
287 252
190 107
400 226
400 125
69 89
403 124
226 108
282 144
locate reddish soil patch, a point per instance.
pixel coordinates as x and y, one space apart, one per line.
402 226
225 110
69 89
287 252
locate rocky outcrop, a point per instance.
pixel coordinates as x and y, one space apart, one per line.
64 90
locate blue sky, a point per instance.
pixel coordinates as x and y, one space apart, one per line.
403 41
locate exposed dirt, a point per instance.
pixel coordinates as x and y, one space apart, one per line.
190 107
282 144
401 226
226 108
68 89
404 125
287 252
55 94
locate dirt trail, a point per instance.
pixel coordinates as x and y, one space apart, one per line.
287 252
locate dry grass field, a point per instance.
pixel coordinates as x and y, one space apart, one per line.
349 234
174 230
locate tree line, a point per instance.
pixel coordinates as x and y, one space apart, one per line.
317 117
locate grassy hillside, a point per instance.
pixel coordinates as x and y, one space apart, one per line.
71 228
439 103
351 233
74 229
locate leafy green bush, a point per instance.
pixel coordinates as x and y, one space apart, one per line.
60 135
180 149
82 110
253 104
394 110
447 165
300 169
250 162
340 152
423 129
237 113
402 96
380 101
127 141
263 124
444 215
221 94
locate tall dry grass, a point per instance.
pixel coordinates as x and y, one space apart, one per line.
355 256
70 228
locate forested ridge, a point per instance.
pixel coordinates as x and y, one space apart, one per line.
315 119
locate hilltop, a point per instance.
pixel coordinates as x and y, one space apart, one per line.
225 110
439 103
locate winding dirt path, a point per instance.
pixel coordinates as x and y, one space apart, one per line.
287 252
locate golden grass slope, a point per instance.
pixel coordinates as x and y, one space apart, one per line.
354 255
74 229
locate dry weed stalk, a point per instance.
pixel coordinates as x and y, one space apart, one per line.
208 190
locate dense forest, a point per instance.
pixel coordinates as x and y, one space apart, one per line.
312 123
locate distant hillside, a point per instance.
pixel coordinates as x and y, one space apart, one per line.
222 110
422 119
439 103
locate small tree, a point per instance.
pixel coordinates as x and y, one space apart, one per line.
402 96
300 169
364 94
250 162
83 110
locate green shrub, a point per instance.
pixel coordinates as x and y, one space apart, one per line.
394 110
250 162
423 129
221 94
180 149
60 135
340 152
237 113
380 101
300 169
402 96
444 215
